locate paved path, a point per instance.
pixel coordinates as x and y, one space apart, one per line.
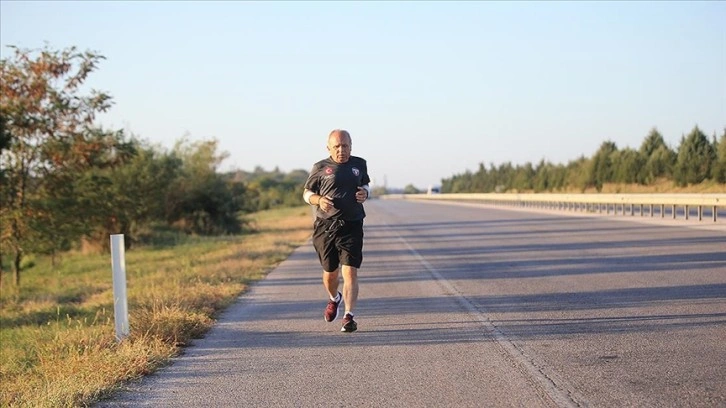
472 306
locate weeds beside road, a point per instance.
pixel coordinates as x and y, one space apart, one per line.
57 345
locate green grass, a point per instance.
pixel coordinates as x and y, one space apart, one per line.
57 344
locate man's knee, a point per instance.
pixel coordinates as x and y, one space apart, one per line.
349 271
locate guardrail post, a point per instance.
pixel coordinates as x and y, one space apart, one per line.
120 304
700 213
674 211
687 210
714 213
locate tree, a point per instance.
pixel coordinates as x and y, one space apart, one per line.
542 178
126 196
602 170
695 158
523 177
200 200
480 181
504 177
651 143
51 139
411 189
578 173
558 178
4 144
658 158
627 165
719 167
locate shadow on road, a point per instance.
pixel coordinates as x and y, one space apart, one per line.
378 313
461 252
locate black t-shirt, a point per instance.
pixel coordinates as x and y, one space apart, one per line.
340 181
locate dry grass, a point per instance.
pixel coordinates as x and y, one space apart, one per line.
661 187
57 345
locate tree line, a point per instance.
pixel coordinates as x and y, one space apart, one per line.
66 182
695 160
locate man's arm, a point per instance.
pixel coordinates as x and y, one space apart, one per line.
309 195
324 202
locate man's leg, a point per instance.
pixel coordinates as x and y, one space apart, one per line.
350 287
350 296
331 282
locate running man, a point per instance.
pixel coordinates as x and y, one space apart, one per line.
338 186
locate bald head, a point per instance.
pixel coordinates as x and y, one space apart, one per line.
338 133
339 145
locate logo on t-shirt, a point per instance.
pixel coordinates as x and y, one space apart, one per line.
356 171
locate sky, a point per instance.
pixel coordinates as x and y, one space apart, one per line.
428 90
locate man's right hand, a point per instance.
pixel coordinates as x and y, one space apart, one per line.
325 203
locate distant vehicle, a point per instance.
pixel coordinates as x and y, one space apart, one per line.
434 190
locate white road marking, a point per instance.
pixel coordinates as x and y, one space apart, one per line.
555 388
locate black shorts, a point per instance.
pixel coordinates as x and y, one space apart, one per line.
338 242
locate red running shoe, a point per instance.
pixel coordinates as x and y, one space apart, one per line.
331 310
349 325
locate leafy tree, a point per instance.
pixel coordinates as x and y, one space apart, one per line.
201 200
602 170
52 139
4 144
126 197
660 164
719 168
651 143
4 138
695 158
269 189
524 177
411 189
579 173
627 165
542 177
481 182
658 158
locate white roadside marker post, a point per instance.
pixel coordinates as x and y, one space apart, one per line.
120 304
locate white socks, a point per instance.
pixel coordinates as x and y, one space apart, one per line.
338 298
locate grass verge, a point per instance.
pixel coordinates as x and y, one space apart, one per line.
57 345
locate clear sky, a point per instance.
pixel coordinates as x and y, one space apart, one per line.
427 89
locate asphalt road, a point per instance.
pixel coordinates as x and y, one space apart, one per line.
474 306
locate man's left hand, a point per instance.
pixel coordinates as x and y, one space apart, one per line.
361 195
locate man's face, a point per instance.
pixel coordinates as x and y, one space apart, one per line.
339 147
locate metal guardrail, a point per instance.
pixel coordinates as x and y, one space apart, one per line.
615 203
